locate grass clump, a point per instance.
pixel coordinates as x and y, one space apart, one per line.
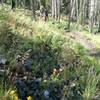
92 80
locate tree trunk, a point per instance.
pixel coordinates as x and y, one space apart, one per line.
56 9
73 10
53 8
1 2
91 16
32 4
59 4
99 20
13 4
69 19
99 26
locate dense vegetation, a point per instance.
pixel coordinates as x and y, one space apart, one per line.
39 60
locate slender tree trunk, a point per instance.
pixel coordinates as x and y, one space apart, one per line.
95 12
86 9
91 16
81 12
24 2
73 10
53 8
99 20
77 7
1 2
69 19
32 4
99 26
84 12
58 8
13 4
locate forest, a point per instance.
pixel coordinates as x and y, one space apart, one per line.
49 49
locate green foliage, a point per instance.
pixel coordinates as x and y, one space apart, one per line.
49 49
81 50
3 15
46 48
92 79
44 3
1 91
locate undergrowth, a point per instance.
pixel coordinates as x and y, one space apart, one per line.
49 49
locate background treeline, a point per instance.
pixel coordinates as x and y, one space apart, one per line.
84 12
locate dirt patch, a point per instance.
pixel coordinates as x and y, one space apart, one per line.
84 41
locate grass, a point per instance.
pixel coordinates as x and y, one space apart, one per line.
49 35
24 25
91 84
94 38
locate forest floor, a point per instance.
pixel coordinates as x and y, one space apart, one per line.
20 22
85 42
25 25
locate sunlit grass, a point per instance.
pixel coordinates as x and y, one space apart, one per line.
92 80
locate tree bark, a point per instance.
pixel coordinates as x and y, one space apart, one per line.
1 2
99 20
73 10
59 4
56 9
91 16
32 4
53 8
69 17
13 4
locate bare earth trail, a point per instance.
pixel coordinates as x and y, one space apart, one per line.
89 46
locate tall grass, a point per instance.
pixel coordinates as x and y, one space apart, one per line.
92 80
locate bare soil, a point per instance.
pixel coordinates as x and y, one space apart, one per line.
84 41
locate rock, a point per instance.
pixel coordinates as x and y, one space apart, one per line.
2 60
46 94
1 73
